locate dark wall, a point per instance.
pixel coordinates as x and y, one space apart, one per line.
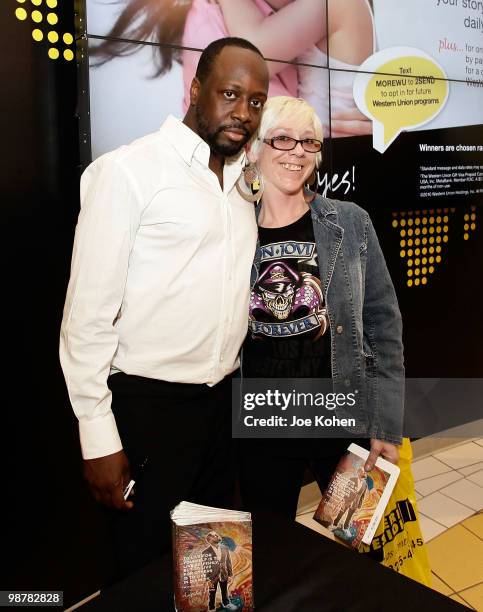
45 542
442 325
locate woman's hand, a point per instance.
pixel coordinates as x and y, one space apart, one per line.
385 449
350 123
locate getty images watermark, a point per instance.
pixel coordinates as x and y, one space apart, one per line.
294 408
284 401
330 408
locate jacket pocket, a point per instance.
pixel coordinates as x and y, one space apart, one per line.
369 363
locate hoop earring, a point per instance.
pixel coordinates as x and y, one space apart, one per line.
250 180
309 192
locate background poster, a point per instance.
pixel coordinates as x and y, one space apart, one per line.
399 89
130 97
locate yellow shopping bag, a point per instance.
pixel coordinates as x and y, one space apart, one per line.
398 542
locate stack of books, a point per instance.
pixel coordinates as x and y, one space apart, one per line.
212 559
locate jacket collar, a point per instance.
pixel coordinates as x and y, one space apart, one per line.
322 207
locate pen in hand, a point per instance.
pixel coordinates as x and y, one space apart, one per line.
129 489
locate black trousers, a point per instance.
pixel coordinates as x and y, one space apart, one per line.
271 471
224 593
184 432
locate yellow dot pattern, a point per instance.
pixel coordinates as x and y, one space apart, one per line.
469 224
37 35
427 231
52 36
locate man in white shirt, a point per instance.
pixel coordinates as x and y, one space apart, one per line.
156 308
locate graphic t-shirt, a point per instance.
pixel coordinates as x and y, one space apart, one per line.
288 332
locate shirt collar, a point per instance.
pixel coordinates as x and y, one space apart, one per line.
189 145
185 141
232 169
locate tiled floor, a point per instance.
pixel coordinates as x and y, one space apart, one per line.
449 490
450 507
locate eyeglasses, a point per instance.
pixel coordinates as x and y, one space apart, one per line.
287 143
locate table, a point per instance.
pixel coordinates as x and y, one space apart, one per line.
295 570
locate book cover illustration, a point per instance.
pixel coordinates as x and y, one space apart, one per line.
354 501
213 566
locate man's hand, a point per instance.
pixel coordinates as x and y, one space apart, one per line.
378 447
107 478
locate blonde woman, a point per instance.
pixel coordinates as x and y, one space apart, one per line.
326 309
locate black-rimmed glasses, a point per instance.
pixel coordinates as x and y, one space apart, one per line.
287 143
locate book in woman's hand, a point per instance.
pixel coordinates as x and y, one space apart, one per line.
354 502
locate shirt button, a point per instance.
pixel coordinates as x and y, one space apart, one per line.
339 329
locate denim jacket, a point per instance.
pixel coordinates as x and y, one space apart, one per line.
364 318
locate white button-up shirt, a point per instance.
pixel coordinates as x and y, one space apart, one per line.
160 274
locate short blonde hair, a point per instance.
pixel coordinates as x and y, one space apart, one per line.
285 111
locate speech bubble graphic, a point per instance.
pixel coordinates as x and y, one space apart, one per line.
405 89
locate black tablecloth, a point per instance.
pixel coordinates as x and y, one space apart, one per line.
295 569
